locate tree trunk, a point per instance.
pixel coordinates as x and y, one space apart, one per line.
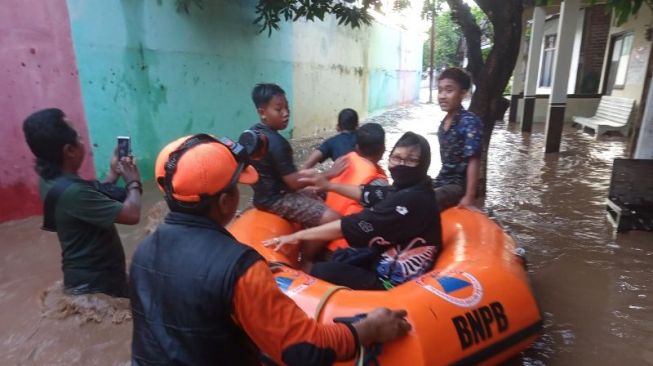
492 75
432 60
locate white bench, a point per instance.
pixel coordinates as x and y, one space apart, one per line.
612 114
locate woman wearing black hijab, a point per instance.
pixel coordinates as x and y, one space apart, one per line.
394 239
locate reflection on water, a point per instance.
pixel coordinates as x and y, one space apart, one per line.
594 289
592 286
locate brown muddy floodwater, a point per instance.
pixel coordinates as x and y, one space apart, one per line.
594 288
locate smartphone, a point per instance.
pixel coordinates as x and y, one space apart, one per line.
124 146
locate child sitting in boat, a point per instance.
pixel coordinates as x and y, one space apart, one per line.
339 145
460 135
361 167
279 189
396 238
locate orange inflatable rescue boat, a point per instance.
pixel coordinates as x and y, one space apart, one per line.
474 307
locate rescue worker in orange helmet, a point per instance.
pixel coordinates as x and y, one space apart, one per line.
200 297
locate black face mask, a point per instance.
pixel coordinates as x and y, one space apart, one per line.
406 176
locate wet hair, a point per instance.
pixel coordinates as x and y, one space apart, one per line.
411 139
46 133
370 139
348 119
460 76
263 93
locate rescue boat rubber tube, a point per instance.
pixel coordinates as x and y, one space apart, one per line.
475 307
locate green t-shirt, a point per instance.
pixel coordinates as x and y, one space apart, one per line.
93 259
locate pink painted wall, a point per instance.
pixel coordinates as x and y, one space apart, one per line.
37 70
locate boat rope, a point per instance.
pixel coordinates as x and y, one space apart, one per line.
325 297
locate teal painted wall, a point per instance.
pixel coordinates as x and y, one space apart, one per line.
155 74
367 69
394 67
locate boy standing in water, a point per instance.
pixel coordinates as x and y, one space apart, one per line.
460 136
339 145
279 189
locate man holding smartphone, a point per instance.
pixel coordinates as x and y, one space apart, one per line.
82 212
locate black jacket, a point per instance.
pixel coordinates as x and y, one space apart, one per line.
182 280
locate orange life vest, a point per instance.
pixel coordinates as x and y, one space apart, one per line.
359 171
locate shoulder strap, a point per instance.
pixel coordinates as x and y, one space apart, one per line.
50 202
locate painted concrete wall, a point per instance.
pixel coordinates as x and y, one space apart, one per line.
37 71
644 148
329 65
154 74
366 69
585 107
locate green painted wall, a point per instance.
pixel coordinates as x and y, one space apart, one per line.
367 69
155 74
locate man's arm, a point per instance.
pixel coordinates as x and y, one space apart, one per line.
284 332
473 169
472 150
113 175
314 179
130 214
294 181
280 328
317 237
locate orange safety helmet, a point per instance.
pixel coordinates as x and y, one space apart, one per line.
192 169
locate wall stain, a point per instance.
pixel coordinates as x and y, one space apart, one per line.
138 89
188 127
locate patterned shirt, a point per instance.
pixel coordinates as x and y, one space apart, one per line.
460 142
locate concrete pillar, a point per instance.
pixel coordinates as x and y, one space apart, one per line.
644 147
555 117
517 79
533 67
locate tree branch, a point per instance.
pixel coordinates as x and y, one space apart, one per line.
463 16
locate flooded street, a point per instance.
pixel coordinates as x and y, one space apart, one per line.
594 289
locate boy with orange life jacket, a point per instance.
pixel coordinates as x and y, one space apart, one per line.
361 168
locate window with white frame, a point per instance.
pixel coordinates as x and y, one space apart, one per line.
546 74
621 58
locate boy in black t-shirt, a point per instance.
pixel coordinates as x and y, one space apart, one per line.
278 189
339 145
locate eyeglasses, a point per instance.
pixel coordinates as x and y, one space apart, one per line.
398 160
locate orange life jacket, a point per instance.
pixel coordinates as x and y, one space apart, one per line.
359 171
